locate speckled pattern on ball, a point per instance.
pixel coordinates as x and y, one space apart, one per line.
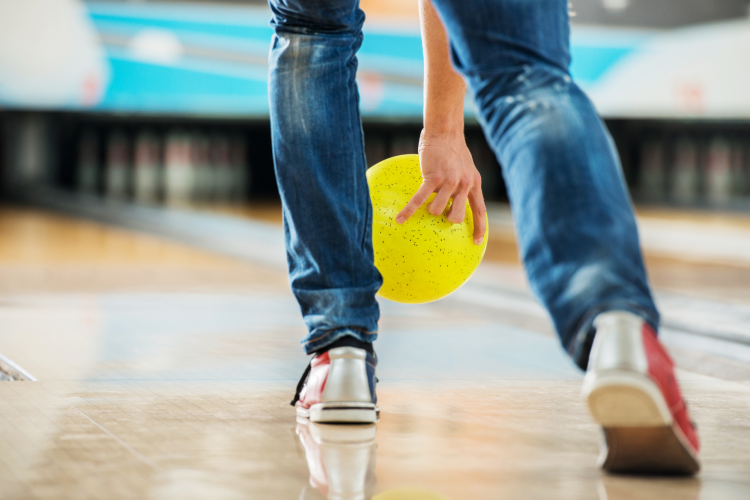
427 257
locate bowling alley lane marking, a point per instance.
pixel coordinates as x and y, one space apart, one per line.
140 456
6 363
9 366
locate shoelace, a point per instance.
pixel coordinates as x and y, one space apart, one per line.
302 381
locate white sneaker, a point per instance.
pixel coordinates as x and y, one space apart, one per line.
631 390
339 387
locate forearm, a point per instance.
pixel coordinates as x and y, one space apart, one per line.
446 164
444 89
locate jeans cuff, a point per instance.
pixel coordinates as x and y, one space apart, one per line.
332 336
579 346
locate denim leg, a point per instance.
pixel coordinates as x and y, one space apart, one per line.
573 216
320 167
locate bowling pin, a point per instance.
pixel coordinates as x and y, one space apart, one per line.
484 160
375 149
404 144
178 168
87 175
685 171
147 167
240 173
652 169
745 145
718 171
222 169
739 173
117 173
204 177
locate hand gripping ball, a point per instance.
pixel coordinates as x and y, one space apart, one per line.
427 257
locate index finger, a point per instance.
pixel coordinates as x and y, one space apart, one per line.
419 199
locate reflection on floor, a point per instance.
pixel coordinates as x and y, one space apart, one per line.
166 372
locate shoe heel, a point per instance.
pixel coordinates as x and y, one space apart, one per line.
347 379
622 399
638 427
346 397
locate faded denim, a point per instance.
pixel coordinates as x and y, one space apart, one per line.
320 168
574 220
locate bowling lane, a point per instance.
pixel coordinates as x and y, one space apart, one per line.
165 371
41 252
700 253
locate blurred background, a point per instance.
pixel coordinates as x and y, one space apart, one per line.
143 273
155 102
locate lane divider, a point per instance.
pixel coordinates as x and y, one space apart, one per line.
11 369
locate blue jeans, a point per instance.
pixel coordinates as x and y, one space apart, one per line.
574 221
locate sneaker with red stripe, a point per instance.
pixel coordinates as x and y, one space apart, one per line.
339 387
631 390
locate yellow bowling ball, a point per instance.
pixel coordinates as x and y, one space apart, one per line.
427 257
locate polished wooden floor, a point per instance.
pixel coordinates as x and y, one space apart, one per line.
165 372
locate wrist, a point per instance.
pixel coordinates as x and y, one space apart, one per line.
442 132
444 124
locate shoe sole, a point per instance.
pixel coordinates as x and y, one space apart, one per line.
341 413
332 433
640 432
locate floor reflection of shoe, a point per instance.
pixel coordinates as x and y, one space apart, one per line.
409 494
631 390
618 487
341 459
339 387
